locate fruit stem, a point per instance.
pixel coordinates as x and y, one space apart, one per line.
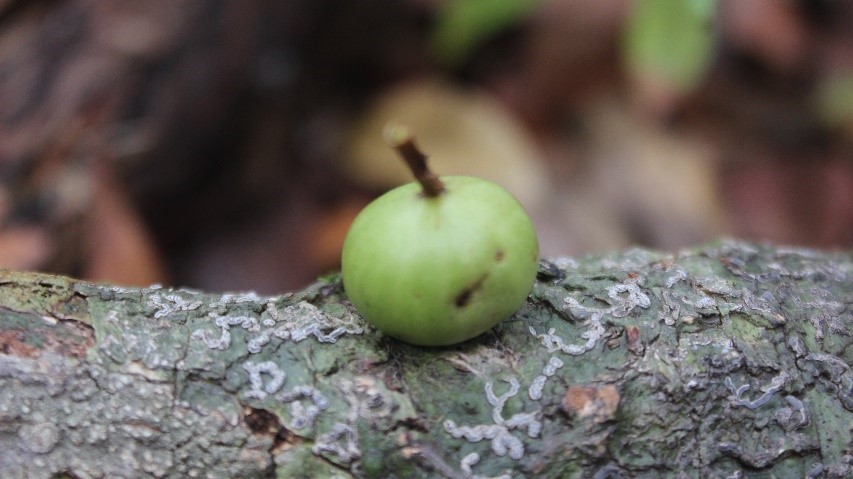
401 139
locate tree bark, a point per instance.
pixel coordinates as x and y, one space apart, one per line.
727 360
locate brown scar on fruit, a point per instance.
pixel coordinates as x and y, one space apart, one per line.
597 402
499 255
464 296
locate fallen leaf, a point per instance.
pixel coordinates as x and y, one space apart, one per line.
464 132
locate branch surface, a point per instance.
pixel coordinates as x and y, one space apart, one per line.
726 360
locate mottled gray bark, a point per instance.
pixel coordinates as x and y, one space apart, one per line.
728 360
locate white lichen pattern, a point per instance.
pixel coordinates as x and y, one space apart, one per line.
503 442
737 392
301 416
296 323
535 390
625 297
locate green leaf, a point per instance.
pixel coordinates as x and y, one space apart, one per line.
671 40
462 25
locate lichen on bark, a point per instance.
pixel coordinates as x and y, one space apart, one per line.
726 360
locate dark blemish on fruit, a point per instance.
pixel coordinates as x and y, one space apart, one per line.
499 255
464 296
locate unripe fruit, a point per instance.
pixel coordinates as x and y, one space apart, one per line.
441 262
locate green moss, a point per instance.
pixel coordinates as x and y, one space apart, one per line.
382 453
10 320
299 462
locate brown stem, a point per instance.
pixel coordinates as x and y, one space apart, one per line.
401 139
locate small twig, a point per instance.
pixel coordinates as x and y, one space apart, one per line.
401 139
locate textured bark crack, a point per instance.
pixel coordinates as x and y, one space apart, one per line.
261 421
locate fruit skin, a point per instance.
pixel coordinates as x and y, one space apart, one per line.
436 271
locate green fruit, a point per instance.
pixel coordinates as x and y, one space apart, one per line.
437 270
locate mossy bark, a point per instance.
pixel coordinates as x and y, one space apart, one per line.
727 360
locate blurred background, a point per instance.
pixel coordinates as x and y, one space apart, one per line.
227 145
